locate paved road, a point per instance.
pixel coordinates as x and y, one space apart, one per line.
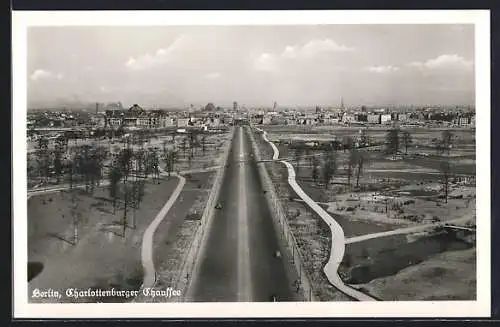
237 262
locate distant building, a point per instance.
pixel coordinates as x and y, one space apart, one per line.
385 118
402 117
373 118
210 107
332 120
182 122
348 118
361 117
98 120
266 120
167 121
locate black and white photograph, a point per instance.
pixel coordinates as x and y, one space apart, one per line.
275 164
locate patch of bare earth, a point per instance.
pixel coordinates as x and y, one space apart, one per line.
312 235
176 233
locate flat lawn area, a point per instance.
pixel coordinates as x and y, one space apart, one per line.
102 258
382 257
211 157
176 232
463 137
450 275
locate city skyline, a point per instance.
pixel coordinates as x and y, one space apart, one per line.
253 65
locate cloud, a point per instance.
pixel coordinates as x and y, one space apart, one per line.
41 74
382 69
314 47
272 61
160 57
444 62
214 75
266 62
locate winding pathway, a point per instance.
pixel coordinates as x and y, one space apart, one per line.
147 239
407 230
338 239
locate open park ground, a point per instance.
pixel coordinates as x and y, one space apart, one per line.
106 254
392 193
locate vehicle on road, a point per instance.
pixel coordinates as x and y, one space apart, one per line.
277 254
273 298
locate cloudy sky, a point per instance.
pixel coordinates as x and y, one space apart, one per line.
254 65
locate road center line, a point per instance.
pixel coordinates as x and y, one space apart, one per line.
244 280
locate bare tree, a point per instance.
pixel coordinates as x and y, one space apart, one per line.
42 154
392 141
298 156
446 176
170 161
204 143
155 166
407 140
126 195
184 145
315 170
364 139
351 164
115 175
193 142
359 166
58 163
76 215
173 138
348 142
329 167
446 140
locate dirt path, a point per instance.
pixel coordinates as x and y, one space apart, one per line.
407 230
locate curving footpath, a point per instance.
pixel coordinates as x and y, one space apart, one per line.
147 239
407 230
338 239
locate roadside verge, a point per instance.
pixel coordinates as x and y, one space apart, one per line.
280 222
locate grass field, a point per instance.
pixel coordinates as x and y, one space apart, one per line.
102 258
449 275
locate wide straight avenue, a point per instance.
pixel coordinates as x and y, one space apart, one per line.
238 262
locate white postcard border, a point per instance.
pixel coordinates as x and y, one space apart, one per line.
21 20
